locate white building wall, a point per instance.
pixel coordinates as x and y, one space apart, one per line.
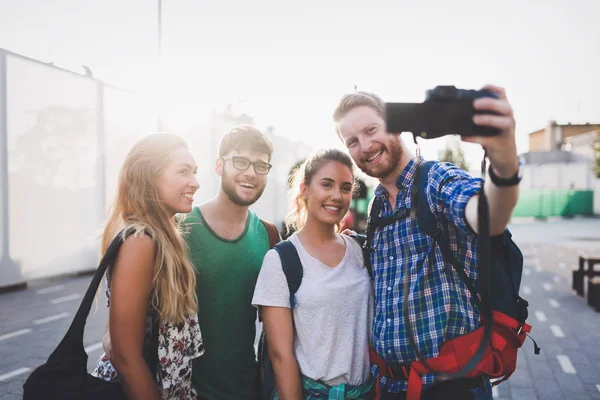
54 206
575 176
67 138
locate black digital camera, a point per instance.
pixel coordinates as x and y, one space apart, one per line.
445 111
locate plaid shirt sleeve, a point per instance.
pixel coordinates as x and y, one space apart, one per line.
449 190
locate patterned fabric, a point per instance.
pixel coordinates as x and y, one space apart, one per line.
312 390
440 305
178 345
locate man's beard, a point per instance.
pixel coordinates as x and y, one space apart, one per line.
394 150
228 186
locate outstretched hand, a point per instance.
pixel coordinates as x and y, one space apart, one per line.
502 148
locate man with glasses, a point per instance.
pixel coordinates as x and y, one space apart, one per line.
227 243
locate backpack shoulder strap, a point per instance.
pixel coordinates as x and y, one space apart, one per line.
272 232
428 224
425 218
358 238
291 265
372 223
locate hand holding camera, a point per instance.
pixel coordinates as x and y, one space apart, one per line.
479 116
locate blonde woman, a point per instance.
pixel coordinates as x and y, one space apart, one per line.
320 348
152 275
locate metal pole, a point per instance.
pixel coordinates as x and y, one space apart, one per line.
159 30
159 122
10 272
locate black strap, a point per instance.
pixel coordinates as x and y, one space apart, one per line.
74 335
292 267
428 224
373 222
358 238
153 361
73 339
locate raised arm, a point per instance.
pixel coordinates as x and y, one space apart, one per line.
130 290
280 339
502 153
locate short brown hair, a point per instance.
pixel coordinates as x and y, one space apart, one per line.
357 99
245 137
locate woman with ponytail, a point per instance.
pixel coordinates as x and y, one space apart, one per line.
319 348
152 278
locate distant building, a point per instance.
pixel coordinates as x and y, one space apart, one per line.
560 157
570 137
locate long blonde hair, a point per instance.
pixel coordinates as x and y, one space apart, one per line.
138 205
298 214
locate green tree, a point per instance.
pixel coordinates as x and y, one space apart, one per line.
455 154
596 149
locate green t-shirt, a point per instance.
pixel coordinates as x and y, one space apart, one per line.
226 272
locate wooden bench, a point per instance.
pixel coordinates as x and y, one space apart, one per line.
581 272
593 298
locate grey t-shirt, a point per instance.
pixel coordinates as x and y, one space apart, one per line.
332 315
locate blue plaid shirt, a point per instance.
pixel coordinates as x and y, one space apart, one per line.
440 305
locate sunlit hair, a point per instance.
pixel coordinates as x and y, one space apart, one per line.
296 218
245 137
138 205
357 99
350 101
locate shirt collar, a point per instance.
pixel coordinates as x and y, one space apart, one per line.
405 178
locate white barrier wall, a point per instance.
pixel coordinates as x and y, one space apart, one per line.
67 136
575 175
52 169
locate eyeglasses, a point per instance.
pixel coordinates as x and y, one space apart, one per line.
242 163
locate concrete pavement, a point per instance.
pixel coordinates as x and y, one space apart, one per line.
33 321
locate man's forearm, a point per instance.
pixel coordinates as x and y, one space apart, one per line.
501 200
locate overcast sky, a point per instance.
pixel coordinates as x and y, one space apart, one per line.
291 61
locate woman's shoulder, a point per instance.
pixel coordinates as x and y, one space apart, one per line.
139 240
354 248
352 242
138 248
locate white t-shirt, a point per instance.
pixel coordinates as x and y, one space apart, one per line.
332 315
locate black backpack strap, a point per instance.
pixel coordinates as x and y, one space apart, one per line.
292 267
428 224
373 221
358 238
426 219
